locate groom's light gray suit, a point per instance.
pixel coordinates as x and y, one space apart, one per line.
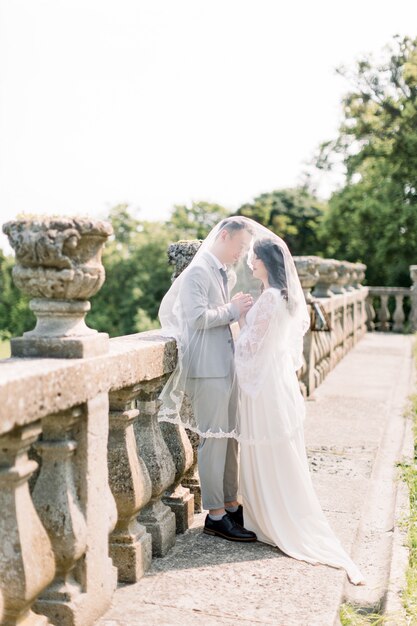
211 384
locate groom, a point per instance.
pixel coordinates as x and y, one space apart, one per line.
211 384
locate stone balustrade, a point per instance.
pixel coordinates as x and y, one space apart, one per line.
92 487
403 315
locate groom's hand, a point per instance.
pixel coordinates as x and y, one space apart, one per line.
244 301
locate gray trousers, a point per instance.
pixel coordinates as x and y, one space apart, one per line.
214 402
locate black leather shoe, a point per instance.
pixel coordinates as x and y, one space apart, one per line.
228 529
237 515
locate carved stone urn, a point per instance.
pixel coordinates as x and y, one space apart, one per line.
307 270
58 263
359 275
343 269
181 253
327 276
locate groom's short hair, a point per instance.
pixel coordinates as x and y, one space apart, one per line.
235 223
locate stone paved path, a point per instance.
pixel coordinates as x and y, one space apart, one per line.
355 434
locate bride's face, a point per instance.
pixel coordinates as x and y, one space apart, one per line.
259 269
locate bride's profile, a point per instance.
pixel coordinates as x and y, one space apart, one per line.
279 500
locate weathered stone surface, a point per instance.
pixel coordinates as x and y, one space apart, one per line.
178 497
58 257
307 269
56 501
96 573
60 348
156 516
58 262
327 276
343 277
181 253
26 559
130 543
31 388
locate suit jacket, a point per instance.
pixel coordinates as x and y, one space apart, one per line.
208 341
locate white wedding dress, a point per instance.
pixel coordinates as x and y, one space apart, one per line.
279 500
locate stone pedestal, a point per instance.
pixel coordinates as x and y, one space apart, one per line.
60 332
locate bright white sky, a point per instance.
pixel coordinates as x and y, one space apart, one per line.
160 102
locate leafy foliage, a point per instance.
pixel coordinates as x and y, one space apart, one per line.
293 214
373 218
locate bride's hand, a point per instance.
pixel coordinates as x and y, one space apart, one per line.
244 301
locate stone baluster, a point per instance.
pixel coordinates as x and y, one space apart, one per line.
191 479
399 315
413 295
327 276
58 264
178 496
26 558
130 543
156 516
383 313
95 571
307 269
370 313
56 500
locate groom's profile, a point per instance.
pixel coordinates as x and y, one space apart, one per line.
211 382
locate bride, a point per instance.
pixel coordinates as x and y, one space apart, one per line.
239 316
279 501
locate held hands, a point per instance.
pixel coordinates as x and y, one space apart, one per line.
244 302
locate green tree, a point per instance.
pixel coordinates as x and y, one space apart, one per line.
137 276
196 221
373 218
15 315
293 214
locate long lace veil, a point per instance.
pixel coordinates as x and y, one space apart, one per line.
197 310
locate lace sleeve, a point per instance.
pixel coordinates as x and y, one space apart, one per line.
252 346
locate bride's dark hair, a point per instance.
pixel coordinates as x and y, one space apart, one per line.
271 255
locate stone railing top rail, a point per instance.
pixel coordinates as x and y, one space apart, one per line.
31 388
